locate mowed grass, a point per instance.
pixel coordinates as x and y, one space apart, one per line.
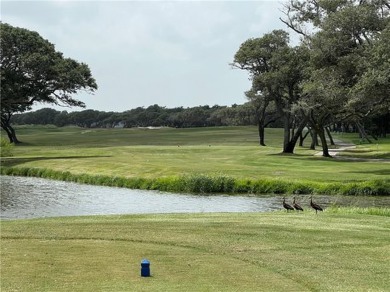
153 153
278 251
336 250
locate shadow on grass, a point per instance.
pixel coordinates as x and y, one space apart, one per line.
292 155
376 172
373 156
9 162
385 157
357 151
67 144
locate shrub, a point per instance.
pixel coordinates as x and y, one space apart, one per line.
201 183
197 183
382 187
169 184
223 184
242 186
301 188
6 148
329 188
262 187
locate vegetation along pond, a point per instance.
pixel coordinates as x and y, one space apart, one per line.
28 197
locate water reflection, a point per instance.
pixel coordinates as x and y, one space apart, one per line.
26 197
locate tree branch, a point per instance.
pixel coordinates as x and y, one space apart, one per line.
292 26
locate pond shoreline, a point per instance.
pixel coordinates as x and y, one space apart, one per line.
212 184
29 197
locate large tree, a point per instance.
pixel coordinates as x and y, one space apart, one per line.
32 71
276 70
348 77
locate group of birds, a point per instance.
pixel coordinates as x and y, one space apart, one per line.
296 206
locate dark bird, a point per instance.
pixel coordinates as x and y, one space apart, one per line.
297 206
315 206
287 206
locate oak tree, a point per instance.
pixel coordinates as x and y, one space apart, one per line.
276 70
32 71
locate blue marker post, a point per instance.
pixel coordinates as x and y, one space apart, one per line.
145 268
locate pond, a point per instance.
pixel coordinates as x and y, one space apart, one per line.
28 197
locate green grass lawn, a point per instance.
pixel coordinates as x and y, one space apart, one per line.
337 250
232 151
333 251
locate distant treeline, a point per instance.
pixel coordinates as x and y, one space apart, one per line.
154 115
179 117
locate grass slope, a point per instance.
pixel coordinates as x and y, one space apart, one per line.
279 251
158 153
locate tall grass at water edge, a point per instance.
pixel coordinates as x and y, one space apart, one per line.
209 184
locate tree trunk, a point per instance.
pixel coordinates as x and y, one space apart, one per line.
10 131
302 138
362 132
261 133
330 136
12 135
286 137
385 125
289 145
314 140
325 149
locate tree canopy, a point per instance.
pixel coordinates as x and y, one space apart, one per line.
338 73
344 80
276 70
337 76
32 71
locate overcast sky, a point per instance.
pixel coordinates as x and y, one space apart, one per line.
170 53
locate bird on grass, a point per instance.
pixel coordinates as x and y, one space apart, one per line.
287 206
315 206
297 206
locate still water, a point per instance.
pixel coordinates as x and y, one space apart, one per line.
27 197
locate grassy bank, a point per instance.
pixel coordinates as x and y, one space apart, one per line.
225 159
338 250
206 184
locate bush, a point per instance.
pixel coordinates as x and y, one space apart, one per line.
302 188
370 188
168 184
6 148
329 188
262 187
201 183
242 186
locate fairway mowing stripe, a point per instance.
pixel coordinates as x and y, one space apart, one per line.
196 248
108 240
266 267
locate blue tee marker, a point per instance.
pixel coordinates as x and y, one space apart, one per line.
145 268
